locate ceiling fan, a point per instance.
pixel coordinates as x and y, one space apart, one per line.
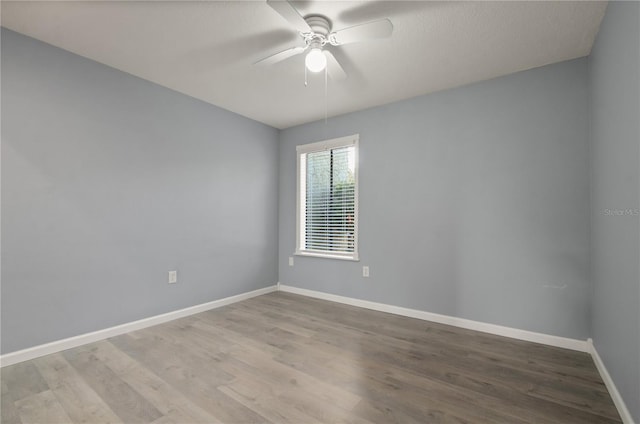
316 32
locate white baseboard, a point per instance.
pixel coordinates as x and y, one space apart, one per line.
71 342
611 387
530 336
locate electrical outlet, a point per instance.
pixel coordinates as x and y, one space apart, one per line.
173 277
365 271
290 260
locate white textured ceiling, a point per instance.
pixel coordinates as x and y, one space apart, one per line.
207 49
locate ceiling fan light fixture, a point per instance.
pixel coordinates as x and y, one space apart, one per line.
315 60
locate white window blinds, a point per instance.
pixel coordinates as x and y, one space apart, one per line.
327 198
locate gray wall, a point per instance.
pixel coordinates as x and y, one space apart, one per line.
108 182
614 70
473 203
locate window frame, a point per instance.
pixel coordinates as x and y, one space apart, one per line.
303 149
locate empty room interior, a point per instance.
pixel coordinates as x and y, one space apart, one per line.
315 211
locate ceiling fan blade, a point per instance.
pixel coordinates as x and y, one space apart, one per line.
287 11
278 57
369 31
333 67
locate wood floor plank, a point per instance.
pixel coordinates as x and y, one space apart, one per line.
127 403
431 394
285 358
169 401
78 399
167 420
8 411
206 325
41 408
162 340
381 412
205 394
22 380
325 412
294 379
18 381
288 392
249 394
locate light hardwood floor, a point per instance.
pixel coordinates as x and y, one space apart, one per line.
284 358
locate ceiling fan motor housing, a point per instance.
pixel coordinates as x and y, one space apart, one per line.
320 27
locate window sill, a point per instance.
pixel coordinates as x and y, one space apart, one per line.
353 258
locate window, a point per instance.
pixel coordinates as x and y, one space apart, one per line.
327 210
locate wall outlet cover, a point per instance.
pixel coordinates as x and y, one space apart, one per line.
173 277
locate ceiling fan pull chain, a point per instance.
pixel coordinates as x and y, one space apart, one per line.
326 95
305 76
